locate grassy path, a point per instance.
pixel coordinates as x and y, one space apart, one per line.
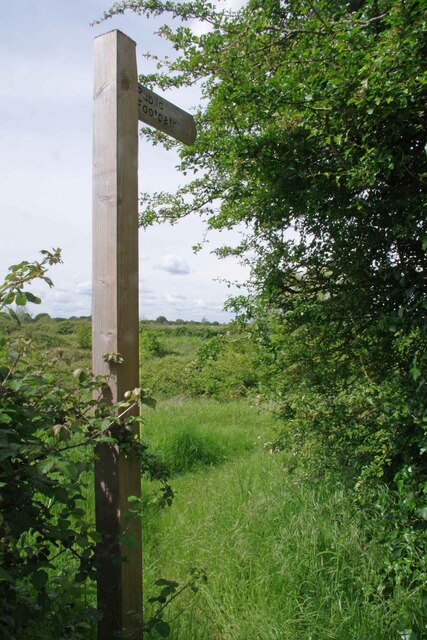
285 558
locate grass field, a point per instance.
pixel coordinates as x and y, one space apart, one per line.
286 557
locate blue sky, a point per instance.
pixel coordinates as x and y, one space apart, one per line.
46 166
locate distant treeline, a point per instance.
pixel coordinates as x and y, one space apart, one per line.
27 317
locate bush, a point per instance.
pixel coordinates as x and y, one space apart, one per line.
165 376
49 427
151 345
353 404
66 327
84 334
223 368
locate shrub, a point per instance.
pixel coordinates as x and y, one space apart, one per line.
84 334
353 401
151 345
166 376
49 427
66 327
223 368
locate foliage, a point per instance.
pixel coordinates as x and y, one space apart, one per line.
12 289
223 367
189 328
150 344
84 335
50 425
169 590
353 408
197 359
176 359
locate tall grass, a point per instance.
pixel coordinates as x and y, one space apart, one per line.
193 434
286 558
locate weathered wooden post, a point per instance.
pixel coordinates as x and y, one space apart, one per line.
115 323
119 101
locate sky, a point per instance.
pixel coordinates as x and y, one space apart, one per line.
46 167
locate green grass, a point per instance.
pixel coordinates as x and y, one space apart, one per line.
189 435
286 558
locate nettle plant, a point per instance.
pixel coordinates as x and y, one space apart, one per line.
50 423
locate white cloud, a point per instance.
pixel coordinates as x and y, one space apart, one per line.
209 305
146 293
174 264
66 299
84 289
173 299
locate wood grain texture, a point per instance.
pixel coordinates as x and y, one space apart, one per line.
115 322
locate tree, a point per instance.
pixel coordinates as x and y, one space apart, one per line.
312 120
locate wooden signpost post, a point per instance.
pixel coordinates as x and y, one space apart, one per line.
119 101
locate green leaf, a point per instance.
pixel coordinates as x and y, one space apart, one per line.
163 629
422 512
13 315
32 298
5 418
415 371
5 576
39 579
148 402
21 299
9 298
166 583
